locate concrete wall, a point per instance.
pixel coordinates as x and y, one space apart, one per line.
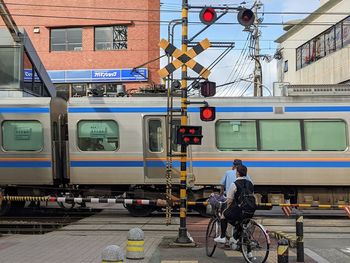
331 69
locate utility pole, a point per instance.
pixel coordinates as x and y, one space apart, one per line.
183 237
258 88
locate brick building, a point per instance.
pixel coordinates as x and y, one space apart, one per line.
93 44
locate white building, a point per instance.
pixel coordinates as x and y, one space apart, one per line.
317 49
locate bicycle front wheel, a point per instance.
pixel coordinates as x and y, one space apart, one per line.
255 242
213 230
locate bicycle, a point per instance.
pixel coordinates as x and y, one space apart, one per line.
254 241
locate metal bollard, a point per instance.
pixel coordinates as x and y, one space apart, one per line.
112 254
282 251
300 236
135 247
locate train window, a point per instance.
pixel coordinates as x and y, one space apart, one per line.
236 135
280 135
155 136
98 135
22 136
325 135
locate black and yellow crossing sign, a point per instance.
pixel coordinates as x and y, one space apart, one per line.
184 58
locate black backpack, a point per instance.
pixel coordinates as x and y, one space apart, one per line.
245 198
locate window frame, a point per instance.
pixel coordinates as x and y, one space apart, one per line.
286 120
113 49
148 135
66 39
328 120
302 135
257 134
77 135
23 151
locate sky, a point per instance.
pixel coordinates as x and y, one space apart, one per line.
236 65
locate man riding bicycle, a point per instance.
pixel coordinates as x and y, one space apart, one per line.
234 211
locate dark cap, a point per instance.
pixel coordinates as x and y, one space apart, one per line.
237 162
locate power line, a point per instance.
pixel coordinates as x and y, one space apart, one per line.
178 10
165 21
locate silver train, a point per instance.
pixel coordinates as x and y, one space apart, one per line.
294 148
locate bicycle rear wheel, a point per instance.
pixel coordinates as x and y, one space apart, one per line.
255 242
213 230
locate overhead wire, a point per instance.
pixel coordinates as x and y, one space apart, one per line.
234 69
177 10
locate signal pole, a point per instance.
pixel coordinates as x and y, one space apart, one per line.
258 88
183 237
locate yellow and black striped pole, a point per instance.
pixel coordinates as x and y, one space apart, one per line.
183 237
300 236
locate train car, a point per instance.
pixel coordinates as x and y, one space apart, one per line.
32 152
294 147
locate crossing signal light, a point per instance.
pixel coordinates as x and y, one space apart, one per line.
189 135
208 88
208 15
207 113
246 17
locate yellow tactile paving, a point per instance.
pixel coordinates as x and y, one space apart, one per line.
272 255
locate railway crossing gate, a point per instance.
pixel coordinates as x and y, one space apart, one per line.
184 58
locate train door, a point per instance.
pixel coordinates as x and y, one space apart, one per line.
155 152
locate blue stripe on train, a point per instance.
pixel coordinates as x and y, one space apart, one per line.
257 164
164 109
24 110
318 109
214 164
25 164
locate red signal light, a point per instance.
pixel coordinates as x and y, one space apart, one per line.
196 140
192 131
207 15
186 140
182 130
246 17
207 113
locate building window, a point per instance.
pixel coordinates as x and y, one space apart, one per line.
98 135
325 135
22 136
79 90
330 41
338 37
319 47
62 91
346 32
305 54
111 38
285 68
335 38
155 136
280 135
236 135
66 39
298 58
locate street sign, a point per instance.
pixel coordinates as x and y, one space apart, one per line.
184 58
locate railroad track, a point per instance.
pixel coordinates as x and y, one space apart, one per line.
43 220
